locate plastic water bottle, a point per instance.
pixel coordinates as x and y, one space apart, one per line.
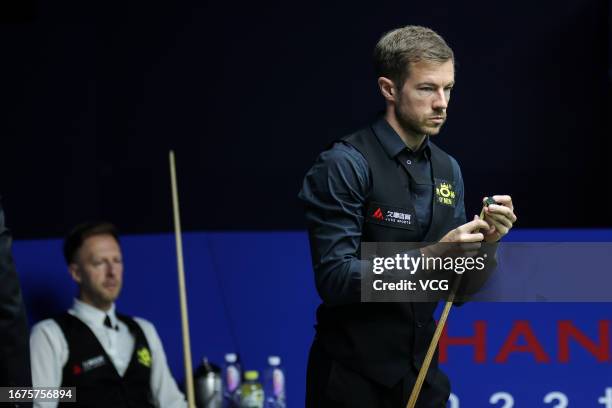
274 380
251 391
232 376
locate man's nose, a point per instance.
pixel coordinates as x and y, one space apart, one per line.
441 101
111 268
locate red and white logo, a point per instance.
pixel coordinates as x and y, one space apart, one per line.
378 214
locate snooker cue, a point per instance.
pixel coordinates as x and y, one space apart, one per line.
416 390
182 291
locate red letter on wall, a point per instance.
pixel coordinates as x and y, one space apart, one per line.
479 341
601 352
522 328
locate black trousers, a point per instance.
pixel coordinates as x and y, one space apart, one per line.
331 385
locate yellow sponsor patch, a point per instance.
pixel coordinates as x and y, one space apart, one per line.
144 356
445 193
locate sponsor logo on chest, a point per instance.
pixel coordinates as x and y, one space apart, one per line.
388 215
92 363
445 193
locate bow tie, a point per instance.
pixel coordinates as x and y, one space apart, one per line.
107 323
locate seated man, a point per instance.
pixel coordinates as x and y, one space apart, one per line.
113 360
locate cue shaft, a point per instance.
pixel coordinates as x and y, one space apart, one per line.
416 390
182 290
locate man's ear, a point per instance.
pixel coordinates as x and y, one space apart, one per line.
75 272
387 89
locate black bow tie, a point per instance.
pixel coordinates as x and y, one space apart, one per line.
107 323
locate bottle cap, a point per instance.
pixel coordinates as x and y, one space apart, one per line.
274 360
231 357
251 375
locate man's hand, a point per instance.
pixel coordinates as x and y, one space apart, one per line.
468 232
466 237
500 217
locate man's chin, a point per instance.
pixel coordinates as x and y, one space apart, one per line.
431 130
110 297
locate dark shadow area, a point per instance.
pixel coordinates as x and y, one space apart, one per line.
94 96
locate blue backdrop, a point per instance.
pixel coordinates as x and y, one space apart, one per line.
253 292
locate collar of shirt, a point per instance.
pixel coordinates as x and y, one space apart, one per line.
393 143
91 315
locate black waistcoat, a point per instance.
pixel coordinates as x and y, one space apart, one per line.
388 341
92 372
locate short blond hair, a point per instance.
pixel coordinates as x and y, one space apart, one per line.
398 48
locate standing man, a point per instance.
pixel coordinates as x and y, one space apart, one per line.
369 354
113 360
14 348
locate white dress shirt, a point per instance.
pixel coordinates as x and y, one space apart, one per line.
49 353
